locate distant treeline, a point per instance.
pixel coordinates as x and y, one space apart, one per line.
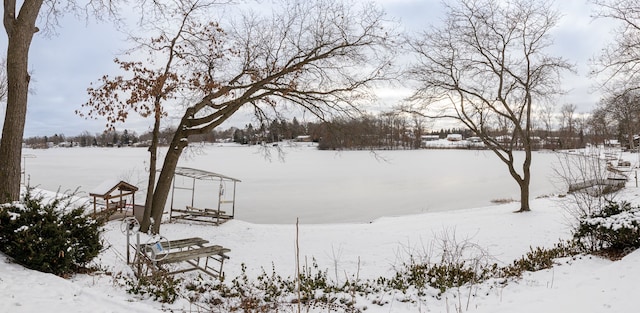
383 131
276 130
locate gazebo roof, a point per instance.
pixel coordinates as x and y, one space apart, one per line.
202 175
109 186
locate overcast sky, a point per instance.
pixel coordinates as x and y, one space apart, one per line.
64 65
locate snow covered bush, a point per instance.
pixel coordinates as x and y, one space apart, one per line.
312 290
539 258
614 230
451 262
48 235
159 286
441 276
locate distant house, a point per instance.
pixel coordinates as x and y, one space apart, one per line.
454 137
429 137
503 138
426 139
303 138
612 143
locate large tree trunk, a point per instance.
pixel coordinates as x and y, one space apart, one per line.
522 180
148 204
153 159
161 192
526 164
524 197
524 184
20 31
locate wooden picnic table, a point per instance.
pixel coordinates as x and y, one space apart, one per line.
191 252
184 243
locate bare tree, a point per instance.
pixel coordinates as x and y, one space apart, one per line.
618 64
486 67
321 56
318 55
599 126
545 115
624 111
161 78
567 123
585 176
419 129
19 18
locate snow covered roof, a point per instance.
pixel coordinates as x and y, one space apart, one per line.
201 174
109 186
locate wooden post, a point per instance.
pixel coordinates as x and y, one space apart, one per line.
128 244
233 204
173 191
193 191
220 193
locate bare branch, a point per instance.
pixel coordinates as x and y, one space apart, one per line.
618 64
486 67
321 56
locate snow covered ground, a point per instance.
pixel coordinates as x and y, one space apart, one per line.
589 284
370 250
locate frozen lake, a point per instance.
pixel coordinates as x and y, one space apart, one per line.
316 186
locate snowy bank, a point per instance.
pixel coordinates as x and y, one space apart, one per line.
589 284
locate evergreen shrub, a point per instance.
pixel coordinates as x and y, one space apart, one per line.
49 235
614 230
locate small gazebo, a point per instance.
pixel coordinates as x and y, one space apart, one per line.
114 194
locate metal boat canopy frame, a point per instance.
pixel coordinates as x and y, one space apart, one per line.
215 215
